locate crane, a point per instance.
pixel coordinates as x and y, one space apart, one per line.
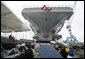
72 40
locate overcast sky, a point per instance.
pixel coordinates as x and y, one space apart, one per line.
77 22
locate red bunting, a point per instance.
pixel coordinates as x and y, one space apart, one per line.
46 8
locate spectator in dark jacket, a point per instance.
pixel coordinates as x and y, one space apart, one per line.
29 52
63 52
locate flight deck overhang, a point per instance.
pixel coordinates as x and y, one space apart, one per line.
44 21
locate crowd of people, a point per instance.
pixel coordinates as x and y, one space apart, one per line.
25 49
13 50
65 51
61 49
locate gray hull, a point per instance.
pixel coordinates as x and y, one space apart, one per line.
44 22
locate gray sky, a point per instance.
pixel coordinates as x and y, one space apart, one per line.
77 23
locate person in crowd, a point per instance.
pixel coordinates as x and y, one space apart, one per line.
63 52
29 51
26 42
71 52
10 37
56 47
22 48
8 50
